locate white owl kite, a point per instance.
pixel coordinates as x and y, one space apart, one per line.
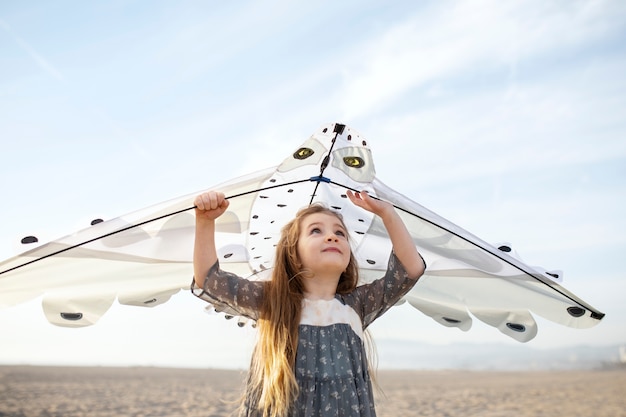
143 258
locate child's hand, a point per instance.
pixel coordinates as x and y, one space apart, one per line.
401 239
210 205
373 205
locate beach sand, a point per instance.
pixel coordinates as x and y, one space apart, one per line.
27 391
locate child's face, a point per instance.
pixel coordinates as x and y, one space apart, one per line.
323 244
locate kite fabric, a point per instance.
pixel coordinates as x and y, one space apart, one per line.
145 257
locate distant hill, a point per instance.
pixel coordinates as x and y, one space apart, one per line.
402 354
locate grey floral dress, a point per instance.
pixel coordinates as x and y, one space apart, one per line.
331 362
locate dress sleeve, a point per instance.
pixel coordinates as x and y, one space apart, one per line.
372 300
230 293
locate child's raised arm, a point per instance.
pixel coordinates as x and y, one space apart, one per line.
403 245
209 206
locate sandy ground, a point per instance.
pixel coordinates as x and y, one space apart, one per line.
71 392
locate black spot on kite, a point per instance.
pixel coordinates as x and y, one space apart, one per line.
516 327
450 320
72 316
29 239
576 311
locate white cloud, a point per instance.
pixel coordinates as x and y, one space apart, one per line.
42 62
479 36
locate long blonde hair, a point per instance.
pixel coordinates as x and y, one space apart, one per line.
272 381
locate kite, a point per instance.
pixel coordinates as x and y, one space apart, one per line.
143 258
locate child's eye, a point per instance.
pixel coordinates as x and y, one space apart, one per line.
340 233
315 230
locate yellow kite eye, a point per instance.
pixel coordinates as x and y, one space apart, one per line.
354 161
303 153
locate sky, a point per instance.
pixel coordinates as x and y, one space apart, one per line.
507 118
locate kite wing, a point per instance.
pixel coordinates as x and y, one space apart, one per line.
144 258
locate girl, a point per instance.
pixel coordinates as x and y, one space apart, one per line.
309 359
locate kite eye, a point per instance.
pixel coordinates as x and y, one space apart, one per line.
303 153
354 161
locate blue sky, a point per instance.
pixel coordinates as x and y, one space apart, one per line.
507 118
